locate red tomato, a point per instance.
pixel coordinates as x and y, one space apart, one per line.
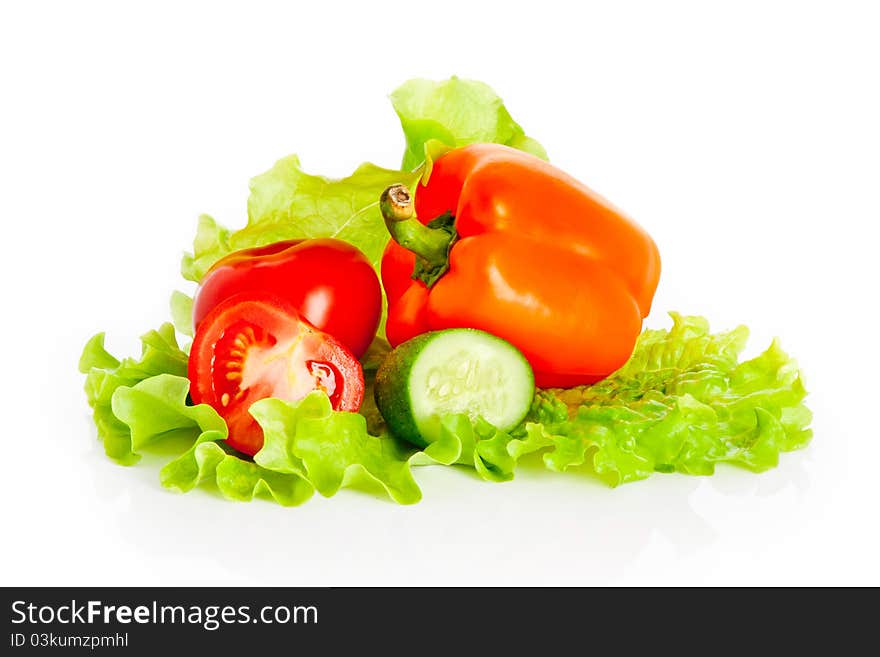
255 346
330 283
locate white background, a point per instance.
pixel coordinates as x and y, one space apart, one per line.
743 136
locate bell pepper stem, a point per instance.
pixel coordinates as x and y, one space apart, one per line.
430 244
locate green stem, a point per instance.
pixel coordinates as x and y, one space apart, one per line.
430 243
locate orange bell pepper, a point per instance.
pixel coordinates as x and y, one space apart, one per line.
502 241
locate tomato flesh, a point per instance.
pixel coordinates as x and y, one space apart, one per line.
251 347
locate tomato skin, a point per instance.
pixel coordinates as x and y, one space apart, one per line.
253 346
330 282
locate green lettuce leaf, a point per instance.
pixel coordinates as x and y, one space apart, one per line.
207 462
479 445
682 403
287 203
105 375
329 448
307 446
182 312
455 112
212 242
156 408
138 403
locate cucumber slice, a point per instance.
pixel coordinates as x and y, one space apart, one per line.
452 371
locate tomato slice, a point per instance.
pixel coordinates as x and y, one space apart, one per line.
254 346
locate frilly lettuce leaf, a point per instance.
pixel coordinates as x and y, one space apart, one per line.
682 403
287 203
182 312
105 375
308 438
480 446
212 242
455 112
138 403
236 478
156 408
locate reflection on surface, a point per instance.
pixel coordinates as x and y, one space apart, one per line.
541 528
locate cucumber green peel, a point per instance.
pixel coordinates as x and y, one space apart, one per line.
456 371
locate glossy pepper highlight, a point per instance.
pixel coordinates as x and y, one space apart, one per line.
500 240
